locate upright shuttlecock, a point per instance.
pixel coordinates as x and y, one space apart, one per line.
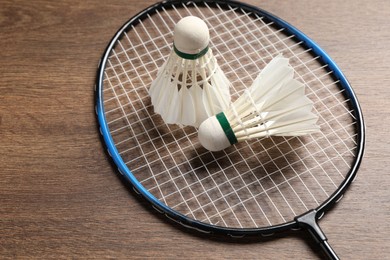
190 86
275 104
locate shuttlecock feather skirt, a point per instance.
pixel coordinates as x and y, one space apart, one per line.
275 105
188 91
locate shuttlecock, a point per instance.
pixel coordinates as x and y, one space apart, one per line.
275 105
190 86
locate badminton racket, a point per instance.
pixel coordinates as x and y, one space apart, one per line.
256 187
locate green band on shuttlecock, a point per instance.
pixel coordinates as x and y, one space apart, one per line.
188 56
226 128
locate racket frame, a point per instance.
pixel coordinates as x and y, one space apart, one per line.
309 219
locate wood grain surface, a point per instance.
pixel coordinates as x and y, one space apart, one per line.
61 198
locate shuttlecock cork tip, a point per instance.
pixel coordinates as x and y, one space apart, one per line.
191 35
212 134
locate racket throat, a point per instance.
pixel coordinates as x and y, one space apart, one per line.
308 221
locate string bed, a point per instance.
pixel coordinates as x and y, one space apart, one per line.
258 183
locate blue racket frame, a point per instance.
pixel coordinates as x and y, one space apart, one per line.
309 219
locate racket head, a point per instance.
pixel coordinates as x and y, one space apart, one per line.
126 69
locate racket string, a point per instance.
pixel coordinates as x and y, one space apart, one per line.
282 177
247 185
224 157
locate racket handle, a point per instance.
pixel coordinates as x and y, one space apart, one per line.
309 222
329 250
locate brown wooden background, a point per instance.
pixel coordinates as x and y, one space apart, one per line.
61 198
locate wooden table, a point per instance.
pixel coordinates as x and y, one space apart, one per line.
60 197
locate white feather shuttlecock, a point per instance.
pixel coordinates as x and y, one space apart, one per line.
190 86
275 105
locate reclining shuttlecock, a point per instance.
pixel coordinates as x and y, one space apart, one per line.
190 86
275 105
